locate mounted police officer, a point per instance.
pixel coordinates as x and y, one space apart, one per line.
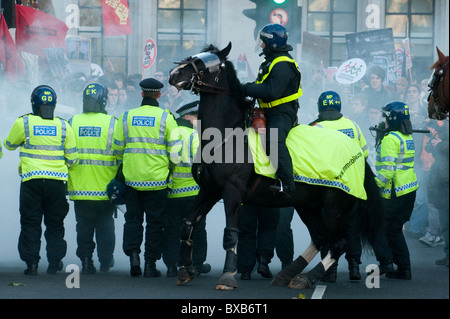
277 88
398 183
146 141
47 148
88 180
329 106
183 191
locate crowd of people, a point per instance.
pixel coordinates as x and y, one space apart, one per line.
106 140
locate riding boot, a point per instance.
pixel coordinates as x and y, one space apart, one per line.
353 270
135 265
88 266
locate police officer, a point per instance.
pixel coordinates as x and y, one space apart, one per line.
47 148
330 116
398 183
183 191
146 141
88 180
277 88
257 240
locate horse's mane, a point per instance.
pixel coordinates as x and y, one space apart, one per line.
235 84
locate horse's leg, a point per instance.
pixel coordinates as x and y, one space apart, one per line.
284 277
314 275
202 206
232 199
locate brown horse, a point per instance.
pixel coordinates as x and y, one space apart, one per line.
438 100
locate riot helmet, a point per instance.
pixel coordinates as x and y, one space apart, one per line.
95 98
329 100
397 117
43 101
275 37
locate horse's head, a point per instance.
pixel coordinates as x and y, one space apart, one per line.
438 100
193 72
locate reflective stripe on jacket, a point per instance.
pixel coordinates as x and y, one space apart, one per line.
285 99
47 147
349 128
395 165
97 163
182 183
145 141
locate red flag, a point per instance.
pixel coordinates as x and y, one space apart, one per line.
116 18
12 64
37 30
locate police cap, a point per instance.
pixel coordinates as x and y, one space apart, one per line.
190 108
151 85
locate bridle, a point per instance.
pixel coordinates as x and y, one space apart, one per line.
437 80
204 64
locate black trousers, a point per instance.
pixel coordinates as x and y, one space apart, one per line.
285 239
95 217
398 211
152 205
282 118
257 235
42 199
178 209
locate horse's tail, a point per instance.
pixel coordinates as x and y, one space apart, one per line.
371 210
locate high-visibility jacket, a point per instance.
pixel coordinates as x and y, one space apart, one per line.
97 164
1 151
181 182
395 164
47 147
284 99
349 128
146 144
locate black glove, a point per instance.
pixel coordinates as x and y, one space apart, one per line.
245 86
381 133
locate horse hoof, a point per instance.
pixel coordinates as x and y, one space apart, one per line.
227 282
185 275
281 280
299 282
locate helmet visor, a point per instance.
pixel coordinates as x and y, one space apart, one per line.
259 40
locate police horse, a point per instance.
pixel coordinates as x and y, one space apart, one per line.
322 209
438 99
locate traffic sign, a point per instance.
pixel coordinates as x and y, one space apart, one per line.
279 16
149 54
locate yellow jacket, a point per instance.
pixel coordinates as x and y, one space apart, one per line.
47 147
97 164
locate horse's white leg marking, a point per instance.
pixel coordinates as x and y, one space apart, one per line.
310 252
327 261
318 292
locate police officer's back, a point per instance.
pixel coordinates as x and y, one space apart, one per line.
47 147
146 143
88 180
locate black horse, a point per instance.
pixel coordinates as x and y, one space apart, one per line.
324 210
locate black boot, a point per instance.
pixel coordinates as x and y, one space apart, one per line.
172 271
203 268
54 267
88 267
135 265
31 269
331 274
105 267
150 269
400 273
263 268
353 270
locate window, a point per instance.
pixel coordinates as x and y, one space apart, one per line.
332 19
106 52
413 19
181 30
